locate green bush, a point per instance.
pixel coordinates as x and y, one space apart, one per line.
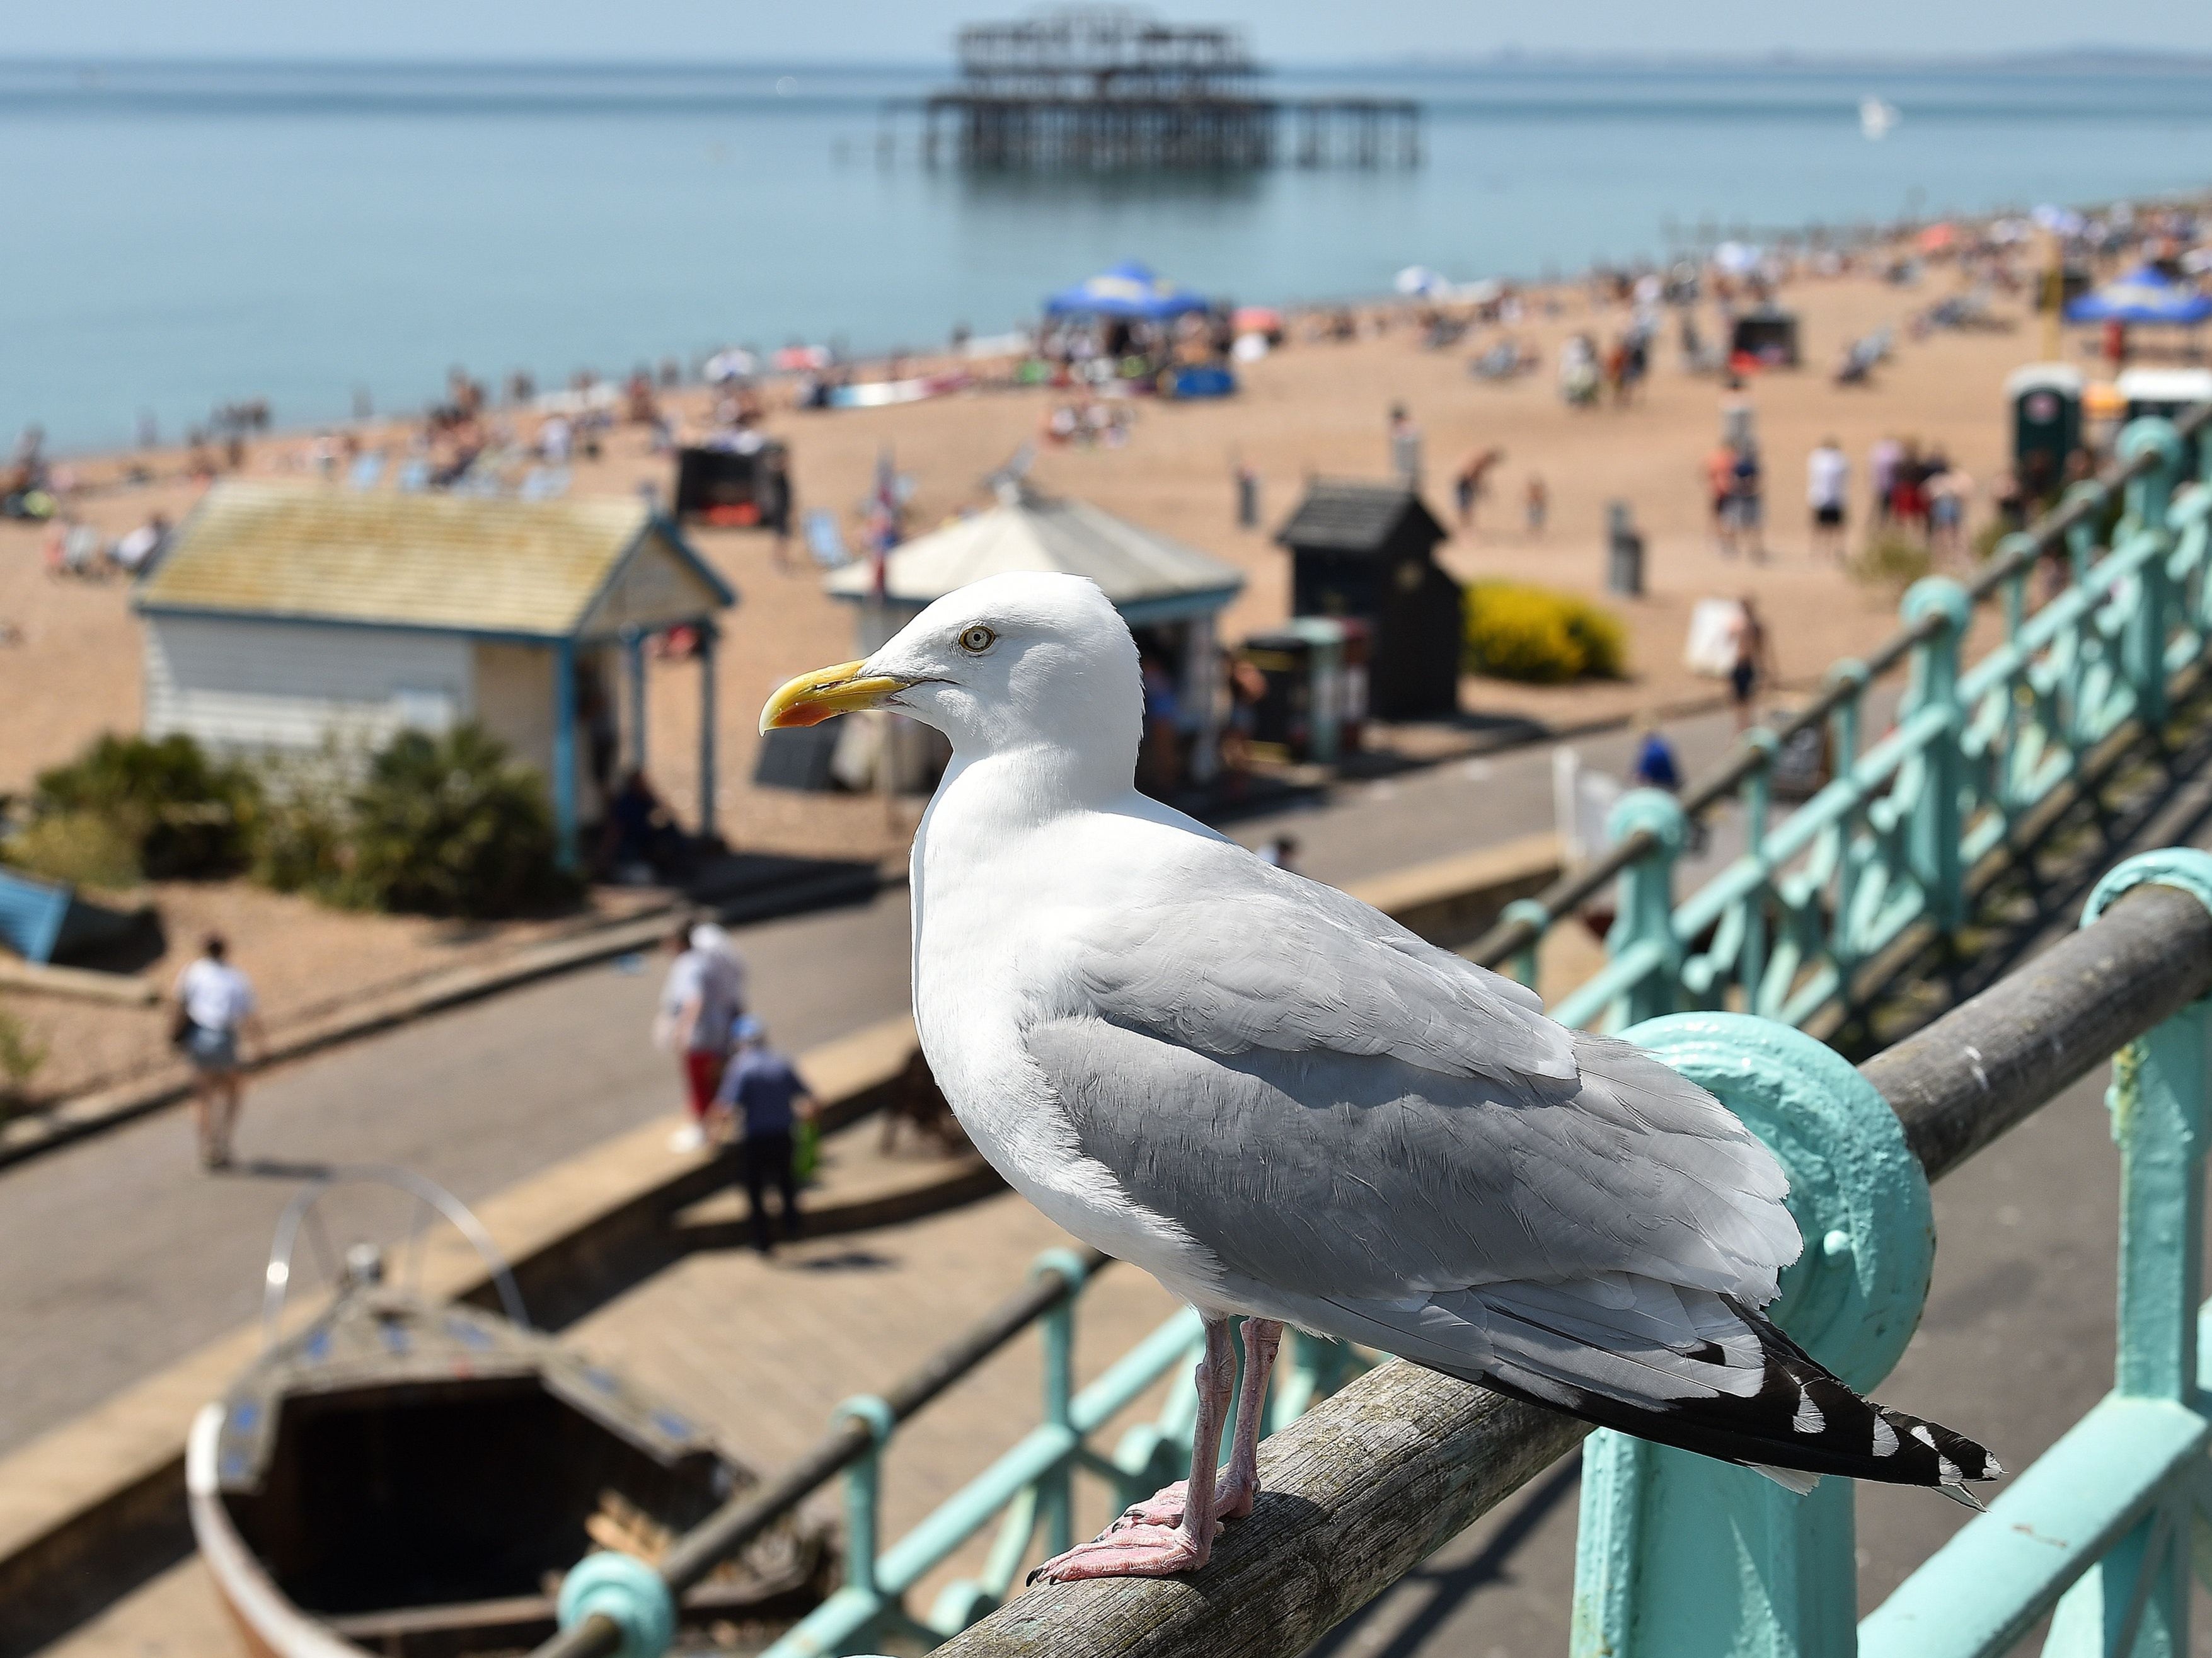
451 826
139 807
1542 637
447 825
81 847
300 830
20 1060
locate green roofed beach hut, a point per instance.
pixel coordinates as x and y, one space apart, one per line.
284 616
1171 594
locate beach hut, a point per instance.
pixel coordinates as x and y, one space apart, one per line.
1366 552
1765 335
1169 593
732 481
282 617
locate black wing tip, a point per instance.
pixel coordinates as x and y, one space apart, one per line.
1958 1459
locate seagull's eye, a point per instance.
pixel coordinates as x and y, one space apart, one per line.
978 640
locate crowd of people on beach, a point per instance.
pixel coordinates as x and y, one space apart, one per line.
74 549
1910 491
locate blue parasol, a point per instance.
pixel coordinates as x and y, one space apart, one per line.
2144 294
1129 289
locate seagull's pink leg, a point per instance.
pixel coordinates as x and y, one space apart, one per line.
1262 1336
1162 1551
1232 1498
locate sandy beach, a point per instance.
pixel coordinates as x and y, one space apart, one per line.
1309 408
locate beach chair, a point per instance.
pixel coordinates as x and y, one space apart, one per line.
823 542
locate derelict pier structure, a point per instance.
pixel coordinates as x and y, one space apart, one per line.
1111 89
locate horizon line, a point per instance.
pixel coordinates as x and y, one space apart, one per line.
2151 58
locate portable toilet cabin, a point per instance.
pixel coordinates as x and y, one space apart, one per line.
2046 401
1366 552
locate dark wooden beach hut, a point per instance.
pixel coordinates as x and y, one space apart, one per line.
1366 552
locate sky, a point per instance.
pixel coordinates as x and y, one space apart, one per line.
920 31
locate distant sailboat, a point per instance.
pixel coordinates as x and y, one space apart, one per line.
1876 118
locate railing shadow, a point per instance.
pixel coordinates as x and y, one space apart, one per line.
1449 1588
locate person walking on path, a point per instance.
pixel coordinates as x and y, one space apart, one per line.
762 1101
1827 490
1883 462
1753 665
701 998
1472 481
1720 494
1746 507
1405 447
216 1006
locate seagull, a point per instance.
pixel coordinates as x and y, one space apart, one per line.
1293 1111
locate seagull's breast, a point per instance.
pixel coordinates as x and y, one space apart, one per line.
993 925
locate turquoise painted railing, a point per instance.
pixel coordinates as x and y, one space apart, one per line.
1027 1491
1682 1557
1975 757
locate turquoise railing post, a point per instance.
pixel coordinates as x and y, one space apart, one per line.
1843 742
1055 1489
1679 1556
1937 814
2135 1602
1758 806
2149 497
864 1499
1524 966
1645 920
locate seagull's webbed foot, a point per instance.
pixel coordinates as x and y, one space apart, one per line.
1232 1500
1140 1550
1164 1507
1173 1531
1240 1482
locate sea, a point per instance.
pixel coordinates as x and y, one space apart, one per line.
334 236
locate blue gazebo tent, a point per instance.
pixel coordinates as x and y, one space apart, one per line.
2145 295
1130 291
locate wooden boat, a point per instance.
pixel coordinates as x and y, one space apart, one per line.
413 1479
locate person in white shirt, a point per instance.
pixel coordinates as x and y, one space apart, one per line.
700 1001
1827 487
216 1005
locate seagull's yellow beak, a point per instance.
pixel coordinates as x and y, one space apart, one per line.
814 697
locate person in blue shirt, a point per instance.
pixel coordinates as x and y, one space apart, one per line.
1656 766
762 1100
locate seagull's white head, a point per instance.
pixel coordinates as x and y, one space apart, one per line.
1017 662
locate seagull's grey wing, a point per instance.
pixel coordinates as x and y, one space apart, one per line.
1236 954
1364 1176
